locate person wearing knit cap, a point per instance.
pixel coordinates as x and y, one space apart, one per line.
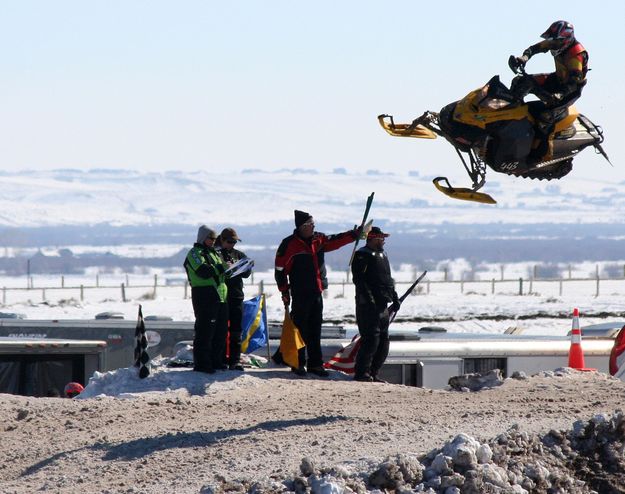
225 243
206 273
375 290
300 274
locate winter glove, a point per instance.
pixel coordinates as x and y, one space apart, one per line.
286 298
394 306
357 232
384 314
516 63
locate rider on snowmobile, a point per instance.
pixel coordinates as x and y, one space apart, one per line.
557 90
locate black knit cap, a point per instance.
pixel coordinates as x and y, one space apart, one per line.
301 217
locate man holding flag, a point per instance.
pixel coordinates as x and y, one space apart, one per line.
375 290
301 277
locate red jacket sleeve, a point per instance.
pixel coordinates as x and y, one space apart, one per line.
333 242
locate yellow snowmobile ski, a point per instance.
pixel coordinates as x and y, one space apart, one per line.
462 193
405 130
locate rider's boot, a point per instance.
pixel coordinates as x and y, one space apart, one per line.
544 150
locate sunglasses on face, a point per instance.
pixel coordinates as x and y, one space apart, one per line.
233 242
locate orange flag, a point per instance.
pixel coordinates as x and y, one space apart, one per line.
290 341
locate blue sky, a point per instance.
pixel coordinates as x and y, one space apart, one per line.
191 85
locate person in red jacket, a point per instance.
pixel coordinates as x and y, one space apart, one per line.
558 89
301 277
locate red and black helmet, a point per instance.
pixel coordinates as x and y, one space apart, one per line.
560 31
73 389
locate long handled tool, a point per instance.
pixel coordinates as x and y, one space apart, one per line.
362 225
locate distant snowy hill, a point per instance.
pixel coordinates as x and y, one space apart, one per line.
255 197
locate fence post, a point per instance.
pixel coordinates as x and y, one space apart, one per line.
502 268
492 286
123 292
155 283
445 273
97 280
520 286
62 281
186 287
43 294
4 295
261 287
534 273
82 293
461 286
127 283
569 271
560 287
597 291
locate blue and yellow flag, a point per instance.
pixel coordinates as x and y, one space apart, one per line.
254 324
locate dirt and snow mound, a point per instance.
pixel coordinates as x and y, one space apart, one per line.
267 431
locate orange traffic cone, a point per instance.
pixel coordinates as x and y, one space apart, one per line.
576 354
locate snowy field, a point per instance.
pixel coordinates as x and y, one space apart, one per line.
471 306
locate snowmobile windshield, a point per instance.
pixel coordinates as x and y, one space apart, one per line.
493 96
494 103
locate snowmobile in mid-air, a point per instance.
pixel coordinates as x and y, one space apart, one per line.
490 126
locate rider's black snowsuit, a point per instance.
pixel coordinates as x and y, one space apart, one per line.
556 91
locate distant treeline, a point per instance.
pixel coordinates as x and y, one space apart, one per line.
420 245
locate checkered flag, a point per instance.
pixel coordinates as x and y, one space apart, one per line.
142 359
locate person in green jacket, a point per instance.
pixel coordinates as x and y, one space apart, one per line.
206 272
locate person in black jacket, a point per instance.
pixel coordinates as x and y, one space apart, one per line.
225 245
300 274
375 290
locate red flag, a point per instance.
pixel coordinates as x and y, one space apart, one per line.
345 359
617 355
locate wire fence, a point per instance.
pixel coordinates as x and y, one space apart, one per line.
48 289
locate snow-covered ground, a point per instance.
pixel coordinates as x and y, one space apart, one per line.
479 306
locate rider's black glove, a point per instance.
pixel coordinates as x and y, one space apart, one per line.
515 63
